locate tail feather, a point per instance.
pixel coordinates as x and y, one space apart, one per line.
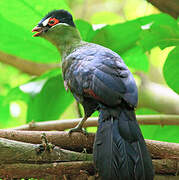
119 149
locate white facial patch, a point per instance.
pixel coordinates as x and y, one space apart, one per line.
45 22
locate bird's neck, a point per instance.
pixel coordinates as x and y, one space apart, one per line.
66 39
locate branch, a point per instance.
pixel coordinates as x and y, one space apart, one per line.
61 125
26 66
59 170
157 97
20 152
62 139
170 7
78 142
165 166
46 170
19 160
163 150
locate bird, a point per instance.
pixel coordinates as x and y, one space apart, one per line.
99 79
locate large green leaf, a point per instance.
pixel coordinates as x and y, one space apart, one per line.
136 58
85 29
45 96
24 12
118 37
50 102
162 31
16 24
149 31
171 69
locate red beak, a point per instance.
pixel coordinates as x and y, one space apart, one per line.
37 29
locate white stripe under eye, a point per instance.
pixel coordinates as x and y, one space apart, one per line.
45 22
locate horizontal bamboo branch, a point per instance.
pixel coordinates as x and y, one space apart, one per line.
61 125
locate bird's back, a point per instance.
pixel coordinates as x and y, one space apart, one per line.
92 64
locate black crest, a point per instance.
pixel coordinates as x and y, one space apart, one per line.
62 15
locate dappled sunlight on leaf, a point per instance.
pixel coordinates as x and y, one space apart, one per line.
33 87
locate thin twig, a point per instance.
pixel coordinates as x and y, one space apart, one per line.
61 125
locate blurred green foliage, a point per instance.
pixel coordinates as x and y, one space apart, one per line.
44 98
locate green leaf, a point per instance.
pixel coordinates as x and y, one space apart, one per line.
149 31
50 102
16 26
171 69
85 29
118 37
136 58
24 12
45 96
16 94
162 31
34 86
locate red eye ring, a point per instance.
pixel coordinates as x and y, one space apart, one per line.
53 21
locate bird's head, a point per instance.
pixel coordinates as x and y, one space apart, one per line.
56 19
58 28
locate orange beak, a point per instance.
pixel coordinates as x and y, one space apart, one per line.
37 29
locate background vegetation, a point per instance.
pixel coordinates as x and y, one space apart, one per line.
31 85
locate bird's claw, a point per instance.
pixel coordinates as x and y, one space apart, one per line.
78 129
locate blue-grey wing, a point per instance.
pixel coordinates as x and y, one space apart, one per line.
103 76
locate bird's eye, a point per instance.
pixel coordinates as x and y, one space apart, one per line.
53 21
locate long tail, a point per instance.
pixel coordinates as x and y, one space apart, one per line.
120 151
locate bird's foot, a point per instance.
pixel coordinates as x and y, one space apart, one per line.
78 129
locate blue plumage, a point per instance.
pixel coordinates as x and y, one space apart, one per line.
99 80
120 151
